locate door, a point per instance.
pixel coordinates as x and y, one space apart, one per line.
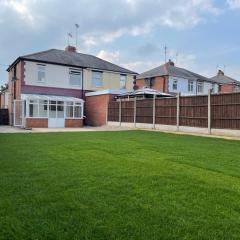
19 113
56 114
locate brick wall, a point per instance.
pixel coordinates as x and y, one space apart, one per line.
36 123
160 84
73 123
96 109
227 88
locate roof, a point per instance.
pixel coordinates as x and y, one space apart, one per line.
223 79
49 97
170 70
73 59
104 92
146 91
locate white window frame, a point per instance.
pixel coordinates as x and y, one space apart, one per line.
190 86
41 68
201 85
123 81
100 79
175 85
73 71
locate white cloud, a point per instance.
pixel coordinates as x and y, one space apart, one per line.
233 4
109 56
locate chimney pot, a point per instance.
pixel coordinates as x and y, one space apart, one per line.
220 72
70 49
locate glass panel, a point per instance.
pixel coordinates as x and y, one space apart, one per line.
97 79
43 111
77 112
52 102
123 81
69 103
60 111
69 112
33 110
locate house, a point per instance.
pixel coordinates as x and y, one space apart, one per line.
4 96
47 89
168 78
226 84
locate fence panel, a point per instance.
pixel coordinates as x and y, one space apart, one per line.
144 111
113 111
226 111
127 111
166 111
194 111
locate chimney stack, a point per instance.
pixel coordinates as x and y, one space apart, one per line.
70 49
170 63
220 73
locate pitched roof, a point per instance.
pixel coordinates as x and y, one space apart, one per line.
223 79
169 69
74 59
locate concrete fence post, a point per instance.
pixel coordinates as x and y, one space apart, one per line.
135 112
120 112
178 111
154 111
209 112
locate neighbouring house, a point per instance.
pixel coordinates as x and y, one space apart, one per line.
226 84
168 78
4 96
47 89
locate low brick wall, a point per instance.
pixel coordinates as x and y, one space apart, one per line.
73 123
36 123
96 109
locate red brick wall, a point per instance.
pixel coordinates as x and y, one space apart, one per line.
73 123
160 83
227 88
36 123
96 109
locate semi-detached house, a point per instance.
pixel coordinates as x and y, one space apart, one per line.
168 78
47 89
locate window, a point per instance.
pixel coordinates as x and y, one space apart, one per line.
213 87
175 85
41 73
33 108
149 82
73 110
190 86
75 77
123 81
97 79
200 87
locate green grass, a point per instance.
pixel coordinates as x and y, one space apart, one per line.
118 185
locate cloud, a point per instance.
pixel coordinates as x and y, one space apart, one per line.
109 56
234 4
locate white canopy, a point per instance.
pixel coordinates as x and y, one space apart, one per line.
50 98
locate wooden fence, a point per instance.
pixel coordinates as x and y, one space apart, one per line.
219 111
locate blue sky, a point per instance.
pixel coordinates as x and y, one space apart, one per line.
131 33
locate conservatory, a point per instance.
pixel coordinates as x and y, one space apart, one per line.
35 110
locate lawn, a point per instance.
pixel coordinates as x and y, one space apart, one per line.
118 185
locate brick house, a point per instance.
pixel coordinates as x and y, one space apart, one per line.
226 84
47 89
168 78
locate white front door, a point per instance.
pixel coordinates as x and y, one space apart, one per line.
56 115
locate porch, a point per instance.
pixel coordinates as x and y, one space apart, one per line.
47 111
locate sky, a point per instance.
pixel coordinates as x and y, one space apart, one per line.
201 35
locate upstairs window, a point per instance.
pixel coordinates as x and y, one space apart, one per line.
123 81
200 87
75 77
41 73
190 86
175 85
149 82
97 79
